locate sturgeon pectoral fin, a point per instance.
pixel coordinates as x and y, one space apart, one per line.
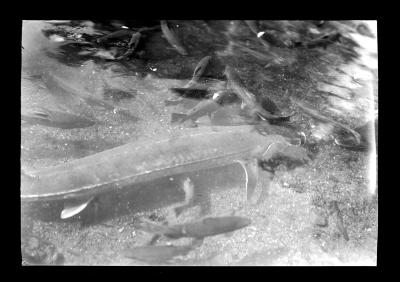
71 209
265 186
273 149
251 169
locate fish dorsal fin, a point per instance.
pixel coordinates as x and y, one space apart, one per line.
73 208
251 170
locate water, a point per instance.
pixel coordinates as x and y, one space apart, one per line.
65 70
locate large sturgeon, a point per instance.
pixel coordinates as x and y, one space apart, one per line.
188 150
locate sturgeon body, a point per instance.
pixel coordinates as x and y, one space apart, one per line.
80 180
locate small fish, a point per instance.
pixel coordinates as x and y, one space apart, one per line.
249 99
159 254
209 226
156 254
172 38
198 71
56 119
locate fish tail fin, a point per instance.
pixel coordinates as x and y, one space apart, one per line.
177 117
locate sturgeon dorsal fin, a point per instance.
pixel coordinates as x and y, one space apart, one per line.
251 169
73 208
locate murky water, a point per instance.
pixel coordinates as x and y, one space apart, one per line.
123 128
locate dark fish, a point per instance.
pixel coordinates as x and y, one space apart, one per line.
198 71
132 45
209 226
57 119
191 93
172 38
116 34
248 98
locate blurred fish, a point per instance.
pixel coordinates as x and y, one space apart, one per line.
364 30
106 54
253 26
159 254
189 90
115 34
59 87
231 116
324 40
57 119
276 38
318 23
172 39
37 251
338 126
209 226
266 58
339 219
205 107
368 132
117 94
249 99
198 71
